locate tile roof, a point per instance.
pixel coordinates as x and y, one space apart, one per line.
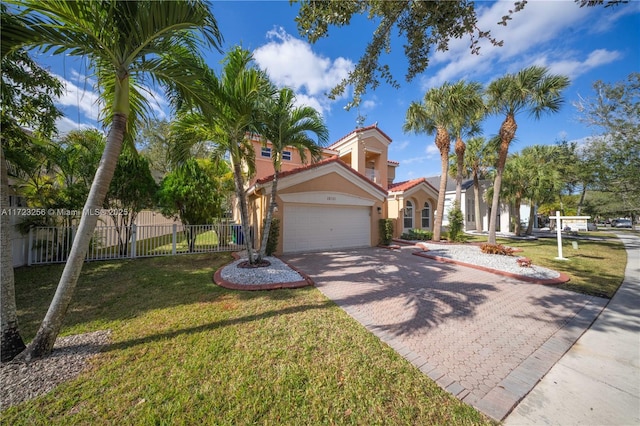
408 184
397 163
321 163
360 130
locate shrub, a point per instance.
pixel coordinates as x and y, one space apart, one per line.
524 262
386 231
456 222
272 240
496 249
417 235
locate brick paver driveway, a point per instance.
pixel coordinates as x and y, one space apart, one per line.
485 338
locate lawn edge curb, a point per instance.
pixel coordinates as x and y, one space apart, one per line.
218 280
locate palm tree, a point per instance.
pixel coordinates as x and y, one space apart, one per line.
480 156
286 125
231 113
467 109
516 186
124 42
532 89
545 180
438 113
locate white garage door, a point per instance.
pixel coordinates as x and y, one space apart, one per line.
310 227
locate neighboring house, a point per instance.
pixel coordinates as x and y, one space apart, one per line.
468 202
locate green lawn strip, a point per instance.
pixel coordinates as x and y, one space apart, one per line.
162 244
185 351
595 267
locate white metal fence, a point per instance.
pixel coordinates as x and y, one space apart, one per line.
53 244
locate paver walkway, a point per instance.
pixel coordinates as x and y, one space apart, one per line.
485 338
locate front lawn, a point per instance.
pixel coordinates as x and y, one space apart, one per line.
185 351
595 267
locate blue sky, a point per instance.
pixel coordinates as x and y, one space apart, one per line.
586 44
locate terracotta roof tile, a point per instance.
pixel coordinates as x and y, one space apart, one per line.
359 130
408 184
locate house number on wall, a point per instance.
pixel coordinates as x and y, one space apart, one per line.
331 198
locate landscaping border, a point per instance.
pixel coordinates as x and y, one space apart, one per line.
218 280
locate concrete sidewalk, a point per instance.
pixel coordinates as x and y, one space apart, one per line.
597 382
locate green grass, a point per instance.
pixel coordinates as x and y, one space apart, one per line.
185 351
595 268
163 244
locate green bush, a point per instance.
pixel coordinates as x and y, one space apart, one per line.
272 240
417 235
456 222
386 231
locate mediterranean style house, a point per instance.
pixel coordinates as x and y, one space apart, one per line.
338 201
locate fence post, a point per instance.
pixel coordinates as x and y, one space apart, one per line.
134 230
174 238
30 244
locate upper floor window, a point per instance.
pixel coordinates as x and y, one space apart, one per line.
265 152
286 155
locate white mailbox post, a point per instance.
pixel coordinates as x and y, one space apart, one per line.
558 220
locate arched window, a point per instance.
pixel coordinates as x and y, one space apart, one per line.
408 215
426 215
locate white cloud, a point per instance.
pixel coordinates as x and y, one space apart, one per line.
574 67
432 151
82 98
399 145
291 62
527 40
66 125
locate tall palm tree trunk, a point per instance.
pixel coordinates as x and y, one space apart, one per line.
476 194
269 217
507 133
12 343
517 227
442 142
460 149
244 211
532 217
52 323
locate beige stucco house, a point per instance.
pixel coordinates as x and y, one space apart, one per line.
338 202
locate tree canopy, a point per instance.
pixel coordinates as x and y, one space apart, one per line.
615 111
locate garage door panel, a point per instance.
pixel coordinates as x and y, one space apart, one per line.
318 227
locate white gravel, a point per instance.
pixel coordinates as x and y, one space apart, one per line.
277 272
472 254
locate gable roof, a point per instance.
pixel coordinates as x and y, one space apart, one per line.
408 184
360 130
320 164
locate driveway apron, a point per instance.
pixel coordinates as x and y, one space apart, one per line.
485 338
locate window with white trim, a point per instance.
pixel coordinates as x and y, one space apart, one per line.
286 155
408 215
265 152
426 215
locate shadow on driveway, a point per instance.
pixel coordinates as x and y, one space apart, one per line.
485 338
